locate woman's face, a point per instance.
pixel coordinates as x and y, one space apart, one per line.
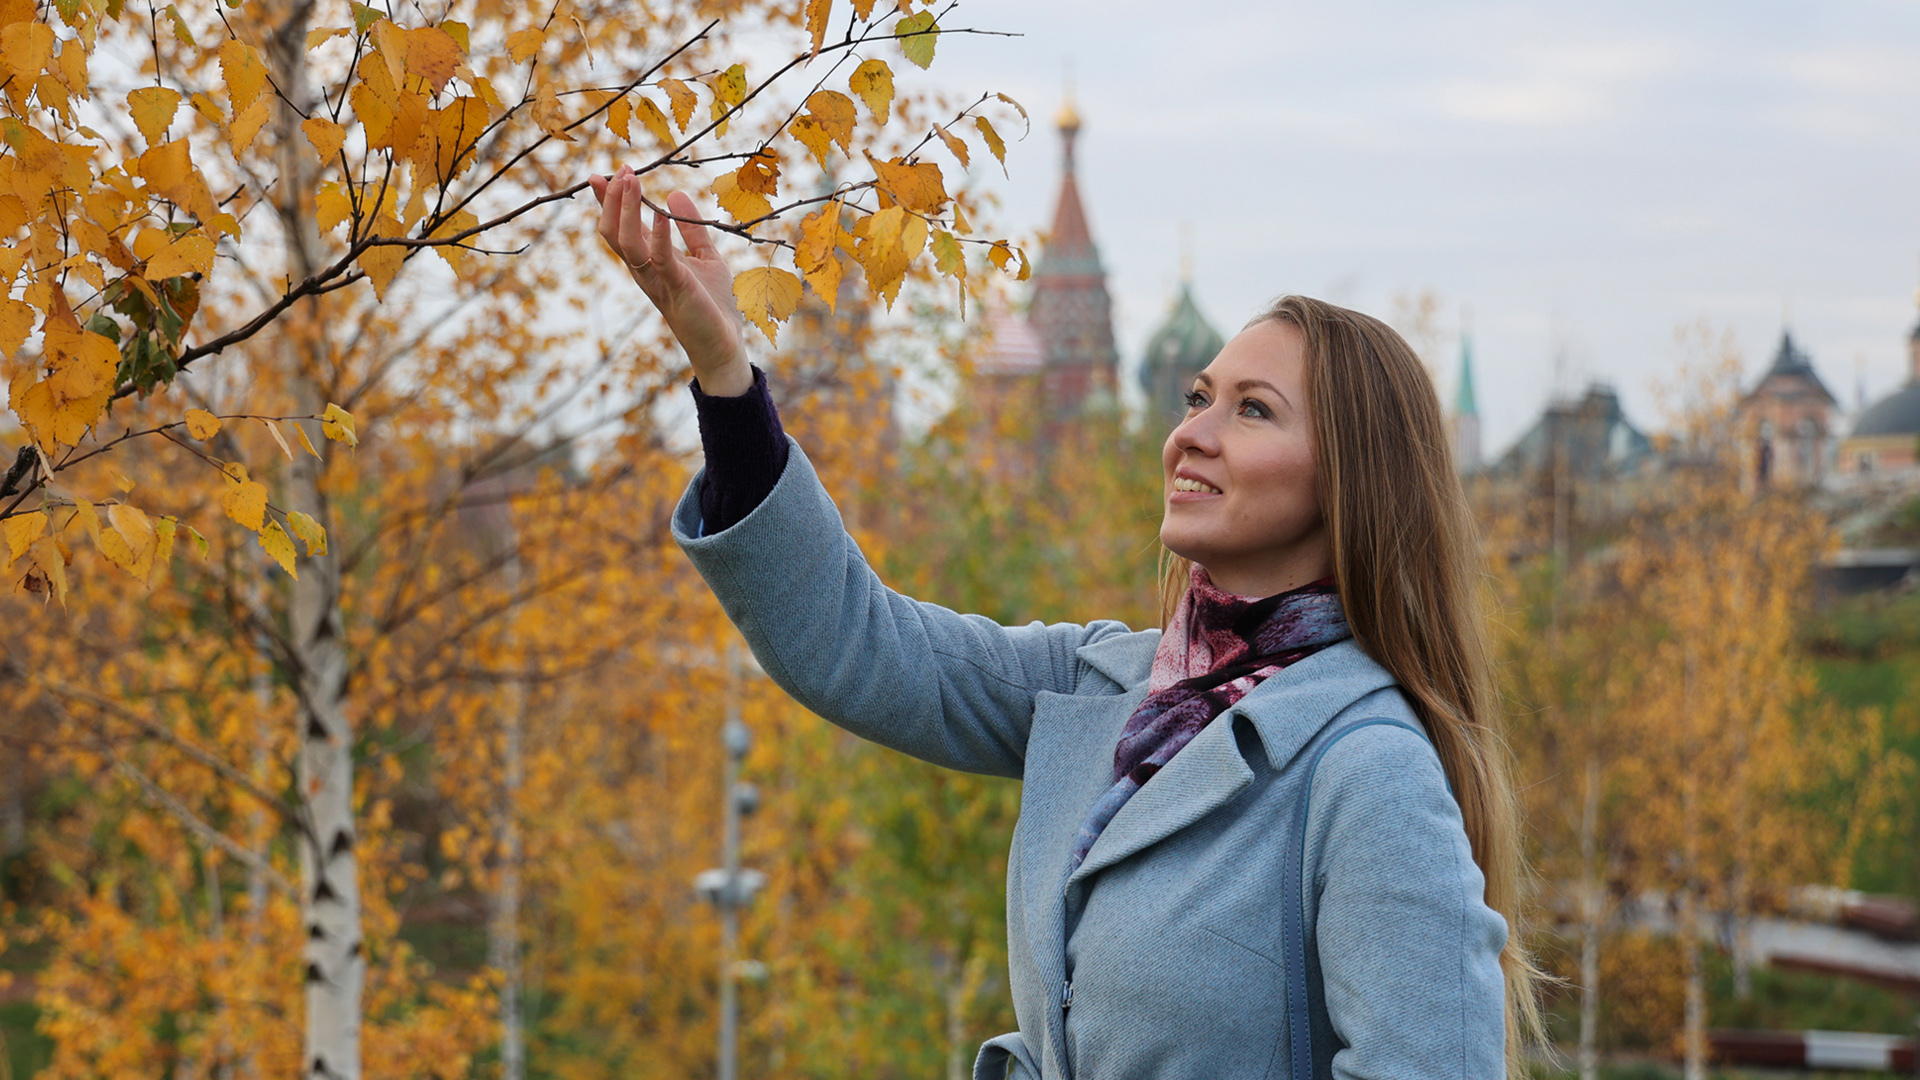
1239 470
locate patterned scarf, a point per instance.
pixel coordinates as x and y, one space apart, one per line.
1216 649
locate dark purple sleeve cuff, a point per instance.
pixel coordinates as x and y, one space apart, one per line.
746 452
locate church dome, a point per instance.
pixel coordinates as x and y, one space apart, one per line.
1185 343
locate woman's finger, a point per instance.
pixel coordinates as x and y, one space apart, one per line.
699 244
663 252
599 186
633 246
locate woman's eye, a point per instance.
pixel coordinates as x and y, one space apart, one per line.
1254 408
1195 399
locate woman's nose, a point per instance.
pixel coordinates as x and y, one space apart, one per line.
1198 433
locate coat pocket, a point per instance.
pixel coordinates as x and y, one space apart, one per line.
1005 1057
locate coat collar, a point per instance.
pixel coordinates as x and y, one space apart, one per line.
1127 659
1287 710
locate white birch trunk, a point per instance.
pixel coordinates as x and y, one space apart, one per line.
329 866
503 928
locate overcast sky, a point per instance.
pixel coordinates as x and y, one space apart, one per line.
1584 176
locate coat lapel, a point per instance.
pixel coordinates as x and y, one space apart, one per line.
1206 773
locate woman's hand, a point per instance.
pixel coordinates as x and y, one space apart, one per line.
694 292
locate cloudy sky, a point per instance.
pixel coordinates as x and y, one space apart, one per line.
1584 177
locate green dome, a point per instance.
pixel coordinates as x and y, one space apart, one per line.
1183 345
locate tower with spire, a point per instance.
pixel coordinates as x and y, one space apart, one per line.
1787 421
1466 413
1071 312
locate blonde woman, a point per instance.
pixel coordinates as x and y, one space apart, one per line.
1274 838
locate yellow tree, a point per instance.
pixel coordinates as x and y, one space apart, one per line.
245 197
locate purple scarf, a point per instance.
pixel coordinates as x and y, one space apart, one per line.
1216 649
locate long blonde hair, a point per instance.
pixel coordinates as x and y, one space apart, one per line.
1406 563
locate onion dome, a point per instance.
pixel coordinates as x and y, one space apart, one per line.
1896 414
1182 346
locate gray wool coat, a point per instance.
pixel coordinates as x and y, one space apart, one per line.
1161 956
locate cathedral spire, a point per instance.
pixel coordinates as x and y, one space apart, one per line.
1071 310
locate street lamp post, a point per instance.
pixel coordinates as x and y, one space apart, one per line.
729 887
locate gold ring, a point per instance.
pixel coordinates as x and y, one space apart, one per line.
642 266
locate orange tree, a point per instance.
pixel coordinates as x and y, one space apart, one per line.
217 216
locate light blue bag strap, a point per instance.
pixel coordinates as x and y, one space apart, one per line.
1294 915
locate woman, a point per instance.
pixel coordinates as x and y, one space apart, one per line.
1275 840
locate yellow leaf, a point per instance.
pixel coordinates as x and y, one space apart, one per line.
766 295
433 54
26 47
168 170
163 531
202 424
818 12
199 542
244 500
300 432
917 187
50 564
181 31
891 238
382 262
141 538
325 135
917 35
745 206
274 430
833 112
309 532
245 72
681 99
456 128
16 322
947 257
811 135
620 118
192 253
247 123
390 45
548 114
862 9
730 86
461 33
315 37
377 114
656 122
872 82
152 109
954 145
993 140
522 44
21 531
760 174
83 511
454 255
279 546
337 424
820 234
331 206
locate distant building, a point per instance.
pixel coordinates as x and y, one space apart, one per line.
1180 349
1886 437
1787 422
1466 414
1584 440
1071 311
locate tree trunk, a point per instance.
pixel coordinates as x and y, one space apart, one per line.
503 927
336 960
1694 1033
1590 920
